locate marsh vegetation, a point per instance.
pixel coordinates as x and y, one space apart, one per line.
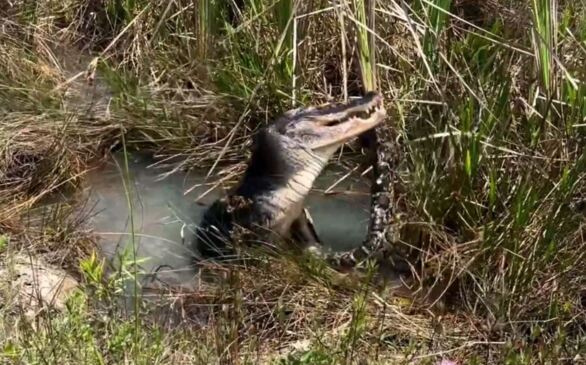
488 100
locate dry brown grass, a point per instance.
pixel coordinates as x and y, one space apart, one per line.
495 208
272 306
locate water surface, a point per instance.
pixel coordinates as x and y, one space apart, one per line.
160 207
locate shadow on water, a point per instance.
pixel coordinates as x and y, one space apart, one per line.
160 208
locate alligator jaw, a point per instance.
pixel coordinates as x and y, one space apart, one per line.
363 107
328 127
350 128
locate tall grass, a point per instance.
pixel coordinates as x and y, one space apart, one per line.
491 108
364 29
545 41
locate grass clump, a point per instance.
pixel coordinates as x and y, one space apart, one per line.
489 104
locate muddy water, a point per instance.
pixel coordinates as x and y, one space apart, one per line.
160 207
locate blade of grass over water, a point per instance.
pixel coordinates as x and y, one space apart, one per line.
128 183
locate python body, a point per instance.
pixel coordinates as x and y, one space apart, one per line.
287 157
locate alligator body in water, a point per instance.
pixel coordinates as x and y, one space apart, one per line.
287 157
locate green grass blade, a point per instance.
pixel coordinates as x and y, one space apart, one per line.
545 41
365 49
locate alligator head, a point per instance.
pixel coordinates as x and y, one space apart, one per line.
297 146
287 157
322 129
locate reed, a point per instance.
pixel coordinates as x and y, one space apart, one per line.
489 103
364 29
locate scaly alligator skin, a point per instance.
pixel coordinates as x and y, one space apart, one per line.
286 159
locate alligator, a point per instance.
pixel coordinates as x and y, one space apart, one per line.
287 157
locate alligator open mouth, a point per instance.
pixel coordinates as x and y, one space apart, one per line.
333 125
363 108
